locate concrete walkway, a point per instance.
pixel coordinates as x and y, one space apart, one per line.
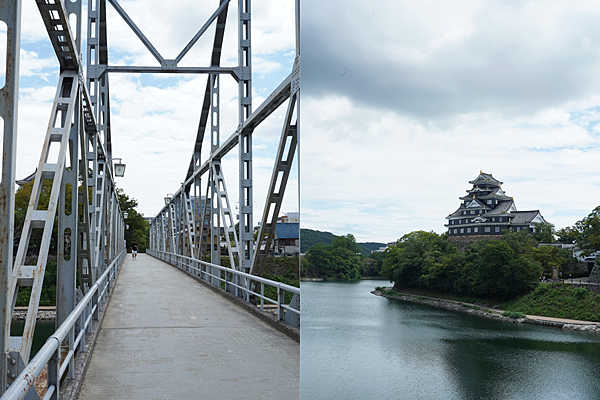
166 336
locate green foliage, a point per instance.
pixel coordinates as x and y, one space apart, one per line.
495 268
567 235
138 226
48 295
271 292
514 314
22 197
544 233
558 300
589 231
585 232
405 262
549 257
310 237
338 261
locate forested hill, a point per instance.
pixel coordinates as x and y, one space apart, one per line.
311 237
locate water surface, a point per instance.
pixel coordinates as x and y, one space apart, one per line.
355 345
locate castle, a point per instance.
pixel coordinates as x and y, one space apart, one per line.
487 211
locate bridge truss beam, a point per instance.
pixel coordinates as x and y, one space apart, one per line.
72 153
212 218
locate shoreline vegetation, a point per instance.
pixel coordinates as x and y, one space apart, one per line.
485 311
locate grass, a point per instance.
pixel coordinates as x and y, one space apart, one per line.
558 300
513 314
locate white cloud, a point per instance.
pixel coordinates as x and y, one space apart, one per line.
379 175
155 118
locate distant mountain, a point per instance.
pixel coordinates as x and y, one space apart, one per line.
310 237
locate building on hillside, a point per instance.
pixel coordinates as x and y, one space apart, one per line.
487 211
286 241
290 217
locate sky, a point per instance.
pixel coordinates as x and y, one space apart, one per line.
154 118
404 102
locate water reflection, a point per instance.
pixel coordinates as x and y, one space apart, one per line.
43 330
355 345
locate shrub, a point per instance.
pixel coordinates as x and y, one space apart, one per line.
514 314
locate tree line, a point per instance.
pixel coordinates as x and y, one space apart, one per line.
343 259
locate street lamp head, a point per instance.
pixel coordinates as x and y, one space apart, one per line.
125 215
119 168
167 199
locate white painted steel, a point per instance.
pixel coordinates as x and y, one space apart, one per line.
204 270
95 298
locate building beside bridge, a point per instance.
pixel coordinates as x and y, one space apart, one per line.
486 211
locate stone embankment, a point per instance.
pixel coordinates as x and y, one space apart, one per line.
46 314
491 313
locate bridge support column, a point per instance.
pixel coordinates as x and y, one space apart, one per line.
10 14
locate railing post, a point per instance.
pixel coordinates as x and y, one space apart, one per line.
262 296
95 303
72 349
281 298
53 371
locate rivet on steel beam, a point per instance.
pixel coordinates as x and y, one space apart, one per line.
12 376
13 361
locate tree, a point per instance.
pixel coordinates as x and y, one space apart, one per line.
497 269
544 233
549 257
337 261
138 226
588 229
347 242
567 235
404 262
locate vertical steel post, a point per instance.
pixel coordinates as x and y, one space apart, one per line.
215 214
246 247
67 257
10 13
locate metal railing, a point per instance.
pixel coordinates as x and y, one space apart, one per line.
50 354
232 280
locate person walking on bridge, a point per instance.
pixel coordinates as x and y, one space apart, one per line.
134 250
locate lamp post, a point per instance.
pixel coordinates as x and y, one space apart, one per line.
119 168
168 199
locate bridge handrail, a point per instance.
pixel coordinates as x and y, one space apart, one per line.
278 285
94 297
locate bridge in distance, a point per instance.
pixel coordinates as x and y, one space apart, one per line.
181 322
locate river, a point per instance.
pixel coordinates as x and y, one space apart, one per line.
355 345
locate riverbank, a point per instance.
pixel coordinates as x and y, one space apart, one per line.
363 278
45 313
491 313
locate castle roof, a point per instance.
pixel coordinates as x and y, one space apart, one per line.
484 178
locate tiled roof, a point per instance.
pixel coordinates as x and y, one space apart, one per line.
288 230
524 217
502 207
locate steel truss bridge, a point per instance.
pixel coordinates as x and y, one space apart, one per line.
77 155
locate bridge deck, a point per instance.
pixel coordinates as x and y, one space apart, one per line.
166 336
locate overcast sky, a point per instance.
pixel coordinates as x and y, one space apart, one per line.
404 102
154 118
